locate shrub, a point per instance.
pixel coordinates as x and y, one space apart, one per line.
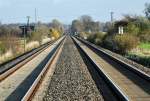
99 38
84 35
108 42
145 36
2 48
36 36
125 43
132 29
9 42
54 33
96 38
91 38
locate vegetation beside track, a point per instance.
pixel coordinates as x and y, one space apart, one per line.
134 43
13 43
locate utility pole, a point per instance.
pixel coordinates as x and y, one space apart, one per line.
26 27
28 21
35 15
112 16
24 37
35 19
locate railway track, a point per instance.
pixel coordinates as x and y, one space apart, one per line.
11 66
22 82
79 64
127 83
71 80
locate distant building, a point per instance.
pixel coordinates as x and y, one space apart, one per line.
26 29
120 26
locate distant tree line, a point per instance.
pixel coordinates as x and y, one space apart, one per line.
85 24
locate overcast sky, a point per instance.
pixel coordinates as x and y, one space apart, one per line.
12 11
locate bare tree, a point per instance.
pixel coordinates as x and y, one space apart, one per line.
77 26
9 39
86 20
147 10
85 24
57 25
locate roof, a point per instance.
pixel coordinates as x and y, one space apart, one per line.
121 23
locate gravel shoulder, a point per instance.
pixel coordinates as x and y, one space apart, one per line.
71 80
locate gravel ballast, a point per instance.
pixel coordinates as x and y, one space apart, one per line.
71 80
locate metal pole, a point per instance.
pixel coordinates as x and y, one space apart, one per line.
35 16
112 16
26 29
28 19
24 33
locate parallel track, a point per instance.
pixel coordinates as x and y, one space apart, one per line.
11 66
127 83
24 90
36 84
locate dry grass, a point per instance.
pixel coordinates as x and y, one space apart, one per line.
6 56
32 45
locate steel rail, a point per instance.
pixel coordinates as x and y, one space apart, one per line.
127 65
28 57
33 87
121 95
